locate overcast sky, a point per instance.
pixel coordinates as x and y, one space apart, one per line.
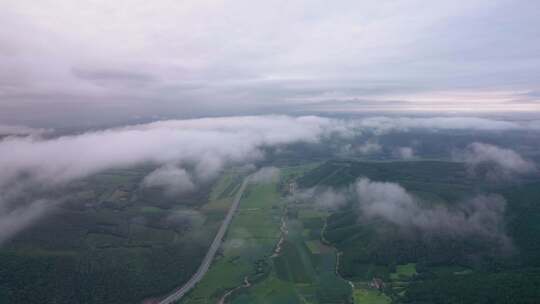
78 62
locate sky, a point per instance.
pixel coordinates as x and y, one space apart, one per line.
68 62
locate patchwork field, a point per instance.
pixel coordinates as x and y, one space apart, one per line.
303 269
274 245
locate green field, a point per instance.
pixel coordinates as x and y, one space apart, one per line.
249 242
302 271
404 272
370 296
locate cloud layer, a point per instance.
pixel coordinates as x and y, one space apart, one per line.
207 144
204 146
384 124
227 57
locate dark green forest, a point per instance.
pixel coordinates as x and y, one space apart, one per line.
450 269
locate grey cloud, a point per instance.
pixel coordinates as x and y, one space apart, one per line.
481 215
132 80
6 130
382 124
498 163
329 199
322 197
405 153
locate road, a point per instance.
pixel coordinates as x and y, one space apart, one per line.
177 294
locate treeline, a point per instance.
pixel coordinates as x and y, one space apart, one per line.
519 287
495 272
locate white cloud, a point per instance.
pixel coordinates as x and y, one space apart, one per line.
480 215
405 153
207 145
204 146
496 161
322 197
174 180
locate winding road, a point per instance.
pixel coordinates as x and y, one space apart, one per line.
177 294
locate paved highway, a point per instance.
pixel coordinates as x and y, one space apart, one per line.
177 294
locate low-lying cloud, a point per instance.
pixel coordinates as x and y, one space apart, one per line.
196 150
494 162
404 153
13 221
172 179
481 215
326 198
205 146
478 216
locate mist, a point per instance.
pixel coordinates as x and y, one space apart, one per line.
326 198
493 162
15 220
193 151
186 151
172 179
481 215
